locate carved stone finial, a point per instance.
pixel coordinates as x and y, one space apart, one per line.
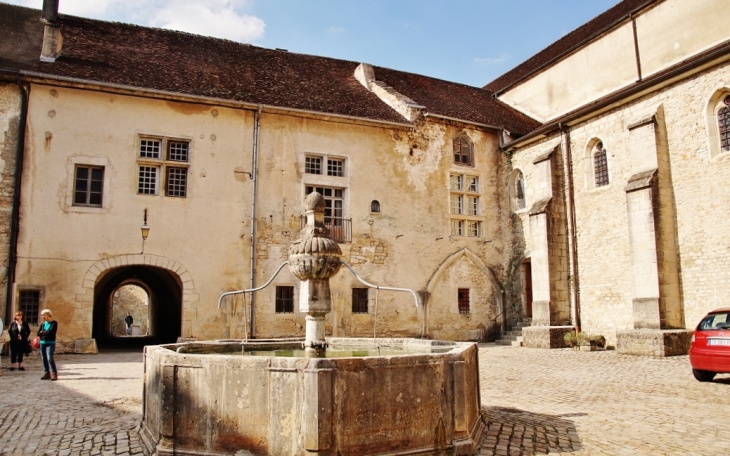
314 255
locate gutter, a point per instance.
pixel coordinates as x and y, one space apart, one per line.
254 199
122 89
711 57
15 215
573 48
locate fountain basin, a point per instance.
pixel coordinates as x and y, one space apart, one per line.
220 397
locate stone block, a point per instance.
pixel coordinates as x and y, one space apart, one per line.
545 336
654 342
85 346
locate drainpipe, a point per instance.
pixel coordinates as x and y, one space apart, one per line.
254 198
15 216
569 195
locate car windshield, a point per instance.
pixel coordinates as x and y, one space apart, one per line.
715 321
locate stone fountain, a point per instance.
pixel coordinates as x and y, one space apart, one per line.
322 396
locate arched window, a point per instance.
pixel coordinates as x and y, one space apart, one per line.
600 165
463 153
375 206
519 191
723 124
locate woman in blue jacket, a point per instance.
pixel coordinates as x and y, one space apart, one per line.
47 333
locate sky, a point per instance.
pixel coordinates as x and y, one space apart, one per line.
466 41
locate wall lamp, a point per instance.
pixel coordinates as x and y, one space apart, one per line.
145 230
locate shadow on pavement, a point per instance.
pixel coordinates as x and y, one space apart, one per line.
527 433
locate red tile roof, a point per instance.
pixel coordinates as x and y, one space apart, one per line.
568 43
183 63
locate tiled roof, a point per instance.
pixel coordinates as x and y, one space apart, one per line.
178 62
567 43
456 100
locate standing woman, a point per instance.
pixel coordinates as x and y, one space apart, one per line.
47 333
19 332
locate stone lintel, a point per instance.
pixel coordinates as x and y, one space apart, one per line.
654 342
540 207
641 180
545 336
645 120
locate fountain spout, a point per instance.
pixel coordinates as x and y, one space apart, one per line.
313 259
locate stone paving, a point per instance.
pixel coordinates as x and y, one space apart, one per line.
534 402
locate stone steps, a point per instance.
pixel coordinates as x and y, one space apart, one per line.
514 336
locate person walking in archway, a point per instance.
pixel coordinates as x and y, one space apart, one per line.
128 320
19 332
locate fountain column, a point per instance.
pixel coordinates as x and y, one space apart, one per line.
313 259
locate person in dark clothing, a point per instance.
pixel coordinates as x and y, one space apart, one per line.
128 320
19 332
47 333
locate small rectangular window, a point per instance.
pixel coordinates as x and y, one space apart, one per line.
457 227
177 151
29 302
335 167
359 300
463 296
313 165
149 148
88 186
473 184
472 205
457 204
475 229
147 183
177 179
284 299
457 182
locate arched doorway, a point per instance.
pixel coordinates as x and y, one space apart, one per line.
163 290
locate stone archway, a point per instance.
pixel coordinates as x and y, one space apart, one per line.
168 283
445 266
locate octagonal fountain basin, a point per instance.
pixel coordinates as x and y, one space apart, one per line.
364 397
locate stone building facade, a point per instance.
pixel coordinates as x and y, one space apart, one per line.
577 197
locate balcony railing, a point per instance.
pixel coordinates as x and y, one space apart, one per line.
340 228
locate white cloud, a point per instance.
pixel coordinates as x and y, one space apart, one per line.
484 61
210 17
219 18
335 31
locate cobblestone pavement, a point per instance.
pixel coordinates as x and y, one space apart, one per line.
92 409
599 403
534 402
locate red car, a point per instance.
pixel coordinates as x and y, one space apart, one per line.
710 351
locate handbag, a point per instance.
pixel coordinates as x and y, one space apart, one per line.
36 342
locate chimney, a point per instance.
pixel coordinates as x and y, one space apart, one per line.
52 35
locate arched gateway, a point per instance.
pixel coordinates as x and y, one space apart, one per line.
165 282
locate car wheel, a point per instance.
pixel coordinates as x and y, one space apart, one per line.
703 376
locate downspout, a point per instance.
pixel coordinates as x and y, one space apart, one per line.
569 195
15 216
254 199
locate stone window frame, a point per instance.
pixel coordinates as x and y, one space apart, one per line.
518 206
463 222
171 166
463 157
590 169
715 104
107 191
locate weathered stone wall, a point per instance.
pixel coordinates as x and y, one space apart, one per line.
132 299
10 112
691 185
